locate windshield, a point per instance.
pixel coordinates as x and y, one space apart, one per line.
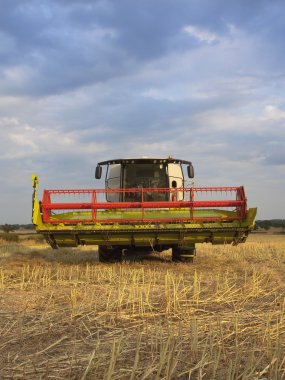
145 175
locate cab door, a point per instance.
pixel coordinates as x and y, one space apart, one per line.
176 182
113 182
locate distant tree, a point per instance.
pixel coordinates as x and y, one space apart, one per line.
266 224
7 228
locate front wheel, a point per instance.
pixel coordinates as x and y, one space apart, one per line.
183 254
109 255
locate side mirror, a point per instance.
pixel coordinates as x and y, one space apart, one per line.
190 171
98 172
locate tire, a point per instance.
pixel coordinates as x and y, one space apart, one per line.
136 254
109 255
183 255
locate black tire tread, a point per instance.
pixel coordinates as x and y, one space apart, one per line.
109 255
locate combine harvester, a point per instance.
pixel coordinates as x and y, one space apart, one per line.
145 206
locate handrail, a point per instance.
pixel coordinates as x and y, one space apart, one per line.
143 205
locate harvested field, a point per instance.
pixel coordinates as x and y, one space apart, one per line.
63 315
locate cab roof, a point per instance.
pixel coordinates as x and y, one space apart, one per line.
168 160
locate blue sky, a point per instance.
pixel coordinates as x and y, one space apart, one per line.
85 81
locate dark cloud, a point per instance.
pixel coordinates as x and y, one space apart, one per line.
84 81
276 158
69 44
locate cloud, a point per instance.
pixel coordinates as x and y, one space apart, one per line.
81 82
273 112
202 35
277 158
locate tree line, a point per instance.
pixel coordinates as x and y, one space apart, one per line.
267 224
13 227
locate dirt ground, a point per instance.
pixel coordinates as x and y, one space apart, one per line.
63 315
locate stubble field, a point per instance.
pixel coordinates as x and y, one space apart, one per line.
63 315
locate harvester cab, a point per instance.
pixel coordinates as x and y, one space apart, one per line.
144 173
145 205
